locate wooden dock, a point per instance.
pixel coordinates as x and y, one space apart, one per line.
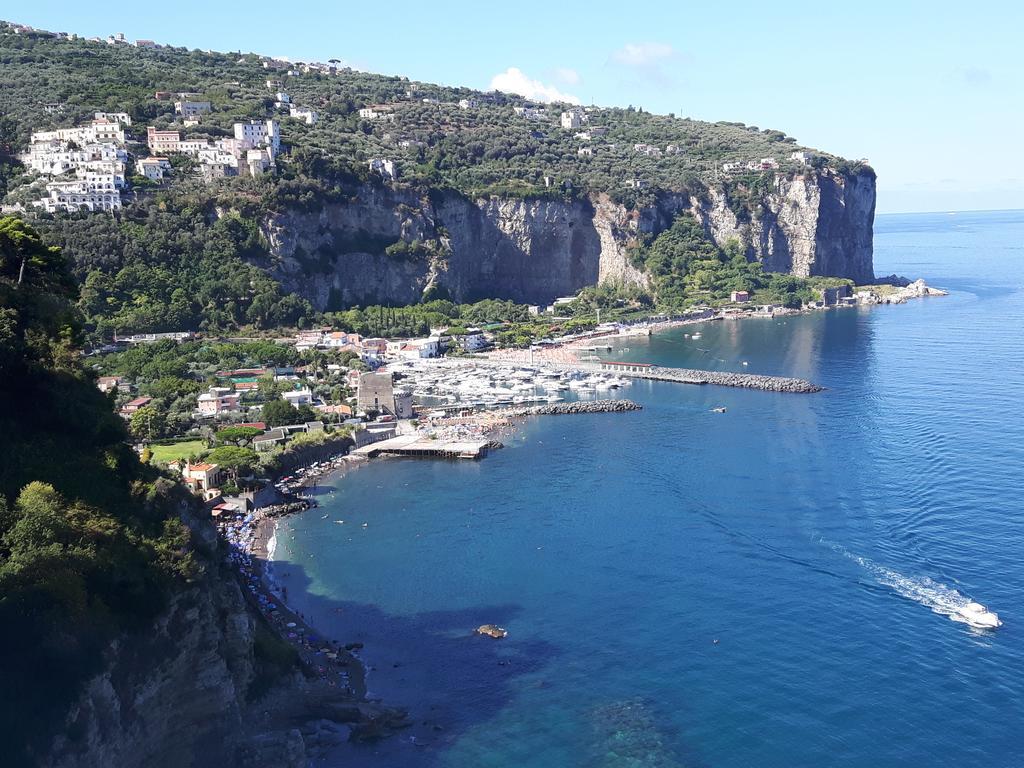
423 447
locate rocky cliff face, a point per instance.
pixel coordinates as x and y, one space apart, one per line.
820 224
170 694
535 250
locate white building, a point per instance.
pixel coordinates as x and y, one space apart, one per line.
377 112
474 339
259 133
468 104
258 161
301 113
153 168
114 117
385 168
191 109
298 397
531 113
647 149
80 195
572 119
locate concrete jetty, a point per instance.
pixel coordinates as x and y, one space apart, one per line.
421 446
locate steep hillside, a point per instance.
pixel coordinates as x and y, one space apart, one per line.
492 196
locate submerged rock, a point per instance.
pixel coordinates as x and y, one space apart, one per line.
628 735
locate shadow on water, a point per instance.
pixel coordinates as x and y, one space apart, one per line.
431 664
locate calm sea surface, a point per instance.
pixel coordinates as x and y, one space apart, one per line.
763 587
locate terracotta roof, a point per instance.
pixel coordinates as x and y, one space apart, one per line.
204 467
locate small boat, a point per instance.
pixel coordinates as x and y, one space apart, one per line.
977 615
720 409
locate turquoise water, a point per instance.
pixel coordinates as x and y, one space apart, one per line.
684 588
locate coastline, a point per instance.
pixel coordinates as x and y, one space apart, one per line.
568 351
334 662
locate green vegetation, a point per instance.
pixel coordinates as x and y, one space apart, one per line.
91 545
191 256
163 454
417 320
167 265
688 269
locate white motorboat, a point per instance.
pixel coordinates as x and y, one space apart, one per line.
977 615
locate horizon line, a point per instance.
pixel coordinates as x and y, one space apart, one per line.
950 210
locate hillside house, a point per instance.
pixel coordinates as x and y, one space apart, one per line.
218 400
298 397
259 133
377 112
309 116
110 383
153 168
133 405
572 120
162 142
386 168
739 297
202 478
114 117
191 109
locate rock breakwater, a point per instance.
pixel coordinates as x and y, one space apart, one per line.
588 406
726 379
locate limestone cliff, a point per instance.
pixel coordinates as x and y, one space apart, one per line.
533 250
169 693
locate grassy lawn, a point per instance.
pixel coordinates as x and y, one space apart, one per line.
166 453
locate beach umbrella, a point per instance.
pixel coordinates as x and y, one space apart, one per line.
290 624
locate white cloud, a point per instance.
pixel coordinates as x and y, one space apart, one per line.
643 54
514 80
567 75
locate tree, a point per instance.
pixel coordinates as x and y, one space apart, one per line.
25 259
148 422
278 413
233 459
238 435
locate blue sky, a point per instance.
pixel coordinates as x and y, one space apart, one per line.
930 93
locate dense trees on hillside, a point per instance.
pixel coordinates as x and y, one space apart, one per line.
89 543
687 268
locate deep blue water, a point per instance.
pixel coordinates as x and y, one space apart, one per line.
810 535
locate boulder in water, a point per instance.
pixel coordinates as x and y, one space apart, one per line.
492 630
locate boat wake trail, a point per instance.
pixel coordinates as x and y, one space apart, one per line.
941 599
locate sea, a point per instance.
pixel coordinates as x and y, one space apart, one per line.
773 586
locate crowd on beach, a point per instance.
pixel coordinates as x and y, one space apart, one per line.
249 539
